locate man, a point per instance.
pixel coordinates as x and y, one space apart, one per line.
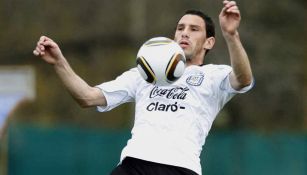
168 141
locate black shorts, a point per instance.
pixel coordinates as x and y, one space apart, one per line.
133 166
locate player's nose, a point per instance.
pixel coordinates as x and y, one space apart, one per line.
185 33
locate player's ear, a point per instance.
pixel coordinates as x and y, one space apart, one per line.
209 43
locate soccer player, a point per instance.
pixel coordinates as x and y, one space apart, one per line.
171 122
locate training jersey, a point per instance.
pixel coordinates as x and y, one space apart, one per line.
171 122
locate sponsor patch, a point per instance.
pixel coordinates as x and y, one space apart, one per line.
195 80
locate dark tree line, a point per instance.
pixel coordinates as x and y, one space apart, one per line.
100 38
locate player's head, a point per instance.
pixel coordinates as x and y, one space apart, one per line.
195 33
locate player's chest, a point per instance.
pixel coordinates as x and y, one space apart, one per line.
189 88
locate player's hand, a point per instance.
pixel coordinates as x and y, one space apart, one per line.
229 17
48 50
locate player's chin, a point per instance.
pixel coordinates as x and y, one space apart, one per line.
188 54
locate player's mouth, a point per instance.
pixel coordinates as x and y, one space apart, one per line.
184 44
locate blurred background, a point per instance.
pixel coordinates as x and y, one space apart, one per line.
263 132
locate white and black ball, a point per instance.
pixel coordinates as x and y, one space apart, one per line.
161 61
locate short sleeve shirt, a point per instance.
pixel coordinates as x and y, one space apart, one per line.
171 122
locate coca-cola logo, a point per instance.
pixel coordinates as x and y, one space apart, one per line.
179 93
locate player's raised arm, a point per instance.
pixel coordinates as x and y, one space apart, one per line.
230 18
84 94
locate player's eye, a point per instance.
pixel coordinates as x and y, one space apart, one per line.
195 29
180 28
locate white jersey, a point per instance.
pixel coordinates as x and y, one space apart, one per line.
171 122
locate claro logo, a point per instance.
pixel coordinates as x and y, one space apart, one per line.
156 106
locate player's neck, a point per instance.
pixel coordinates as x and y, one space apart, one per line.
195 61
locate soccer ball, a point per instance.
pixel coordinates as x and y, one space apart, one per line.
161 61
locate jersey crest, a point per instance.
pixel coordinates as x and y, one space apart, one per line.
195 80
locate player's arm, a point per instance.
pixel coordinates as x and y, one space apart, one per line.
84 94
230 18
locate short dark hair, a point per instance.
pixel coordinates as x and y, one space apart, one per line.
209 24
